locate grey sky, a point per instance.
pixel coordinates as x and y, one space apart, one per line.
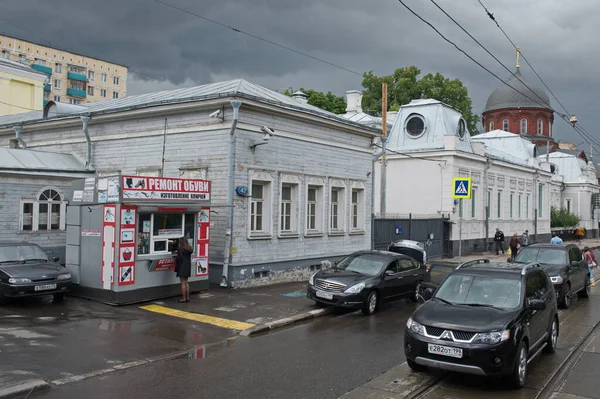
557 37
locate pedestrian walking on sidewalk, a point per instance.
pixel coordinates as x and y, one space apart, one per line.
589 259
514 246
183 267
556 239
499 240
525 239
580 234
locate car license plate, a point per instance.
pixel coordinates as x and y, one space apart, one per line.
45 287
324 295
445 351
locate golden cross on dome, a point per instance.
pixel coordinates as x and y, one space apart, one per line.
518 58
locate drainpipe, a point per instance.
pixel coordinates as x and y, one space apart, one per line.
88 142
230 187
374 159
18 129
488 165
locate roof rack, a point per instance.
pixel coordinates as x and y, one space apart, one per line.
529 266
473 262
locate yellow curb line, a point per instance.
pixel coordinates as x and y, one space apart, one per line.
215 321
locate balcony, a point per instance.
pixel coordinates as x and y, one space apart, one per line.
76 92
42 68
77 76
47 87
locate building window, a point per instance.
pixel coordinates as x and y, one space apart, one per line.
499 215
103 78
358 209
540 200
90 90
473 202
260 208
57 84
491 126
314 210
37 61
512 200
550 130
116 80
568 204
505 125
115 95
74 101
519 206
58 68
77 86
102 92
56 99
336 209
5 54
46 213
159 233
523 126
540 127
415 126
91 75
288 208
489 204
527 207
23 59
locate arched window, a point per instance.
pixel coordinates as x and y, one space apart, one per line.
540 127
505 125
491 126
523 126
47 212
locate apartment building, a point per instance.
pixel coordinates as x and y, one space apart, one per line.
73 78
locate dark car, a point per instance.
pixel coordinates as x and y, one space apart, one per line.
566 266
365 279
26 270
485 319
436 273
414 249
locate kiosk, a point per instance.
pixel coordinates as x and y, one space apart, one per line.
122 231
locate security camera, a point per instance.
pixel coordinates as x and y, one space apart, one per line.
266 137
267 130
215 114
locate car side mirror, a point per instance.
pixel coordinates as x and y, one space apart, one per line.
389 272
428 293
537 304
55 259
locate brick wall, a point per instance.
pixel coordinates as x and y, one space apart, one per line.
514 117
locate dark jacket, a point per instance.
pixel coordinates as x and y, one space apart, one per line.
499 237
514 242
183 266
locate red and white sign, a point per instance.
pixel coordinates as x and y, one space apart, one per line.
163 264
165 188
127 246
109 223
200 262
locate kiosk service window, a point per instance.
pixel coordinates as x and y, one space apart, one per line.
158 233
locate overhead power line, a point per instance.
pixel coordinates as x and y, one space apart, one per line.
257 37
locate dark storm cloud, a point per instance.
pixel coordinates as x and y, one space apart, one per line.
179 49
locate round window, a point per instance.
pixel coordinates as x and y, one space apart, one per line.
415 126
462 128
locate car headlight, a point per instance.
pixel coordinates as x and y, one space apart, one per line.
64 276
414 327
557 279
493 337
19 280
355 289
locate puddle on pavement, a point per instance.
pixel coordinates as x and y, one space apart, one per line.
203 351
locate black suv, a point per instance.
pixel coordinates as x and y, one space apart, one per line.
566 266
485 319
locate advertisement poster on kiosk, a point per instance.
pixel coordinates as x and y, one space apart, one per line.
127 246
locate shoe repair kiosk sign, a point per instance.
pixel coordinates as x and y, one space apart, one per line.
139 221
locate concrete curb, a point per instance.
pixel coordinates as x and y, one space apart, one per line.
286 321
24 388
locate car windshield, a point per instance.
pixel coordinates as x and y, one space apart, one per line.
495 292
439 272
548 256
21 253
367 264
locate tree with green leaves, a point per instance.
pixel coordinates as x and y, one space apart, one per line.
327 101
404 85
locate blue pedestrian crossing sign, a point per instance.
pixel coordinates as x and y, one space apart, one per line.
461 187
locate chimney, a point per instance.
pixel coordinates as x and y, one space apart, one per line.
354 101
300 97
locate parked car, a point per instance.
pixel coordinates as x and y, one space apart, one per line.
26 270
366 278
485 319
566 266
436 273
414 249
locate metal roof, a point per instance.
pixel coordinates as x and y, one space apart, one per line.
522 97
233 88
22 67
27 160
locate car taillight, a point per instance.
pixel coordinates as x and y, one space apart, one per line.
427 269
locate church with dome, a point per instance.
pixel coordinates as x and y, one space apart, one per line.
525 111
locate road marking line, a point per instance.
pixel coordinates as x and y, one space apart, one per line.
215 321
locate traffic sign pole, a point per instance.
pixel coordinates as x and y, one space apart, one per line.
460 218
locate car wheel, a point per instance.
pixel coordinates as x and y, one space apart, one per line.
585 292
415 296
519 374
552 337
414 366
565 299
59 297
370 305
